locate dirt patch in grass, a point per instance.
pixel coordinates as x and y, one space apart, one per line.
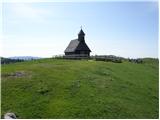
15 74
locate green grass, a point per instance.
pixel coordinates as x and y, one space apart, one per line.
51 88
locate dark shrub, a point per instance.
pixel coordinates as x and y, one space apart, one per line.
138 61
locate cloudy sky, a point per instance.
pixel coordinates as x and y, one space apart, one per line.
44 29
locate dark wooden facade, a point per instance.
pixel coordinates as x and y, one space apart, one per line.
78 46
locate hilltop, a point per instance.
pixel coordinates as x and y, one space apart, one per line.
57 88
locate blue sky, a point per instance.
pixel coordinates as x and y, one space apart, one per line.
127 29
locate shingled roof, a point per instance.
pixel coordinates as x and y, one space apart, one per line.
77 45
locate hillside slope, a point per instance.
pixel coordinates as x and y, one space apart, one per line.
80 89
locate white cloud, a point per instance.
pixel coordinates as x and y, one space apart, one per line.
34 46
28 12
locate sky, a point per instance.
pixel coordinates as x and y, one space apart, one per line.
44 29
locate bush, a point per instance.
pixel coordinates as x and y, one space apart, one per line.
109 58
138 61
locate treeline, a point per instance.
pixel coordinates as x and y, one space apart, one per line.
8 61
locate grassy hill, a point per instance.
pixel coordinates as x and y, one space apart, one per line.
51 88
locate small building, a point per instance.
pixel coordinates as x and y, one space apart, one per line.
78 47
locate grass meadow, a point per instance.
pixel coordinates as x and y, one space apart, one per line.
53 88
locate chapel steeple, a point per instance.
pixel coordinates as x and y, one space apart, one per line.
81 35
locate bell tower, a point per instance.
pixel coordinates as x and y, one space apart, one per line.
81 35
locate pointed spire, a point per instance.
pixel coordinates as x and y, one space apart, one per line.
81 35
81 32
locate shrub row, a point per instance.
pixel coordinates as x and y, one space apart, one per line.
8 61
109 58
136 60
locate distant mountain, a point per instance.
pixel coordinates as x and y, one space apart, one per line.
24 58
